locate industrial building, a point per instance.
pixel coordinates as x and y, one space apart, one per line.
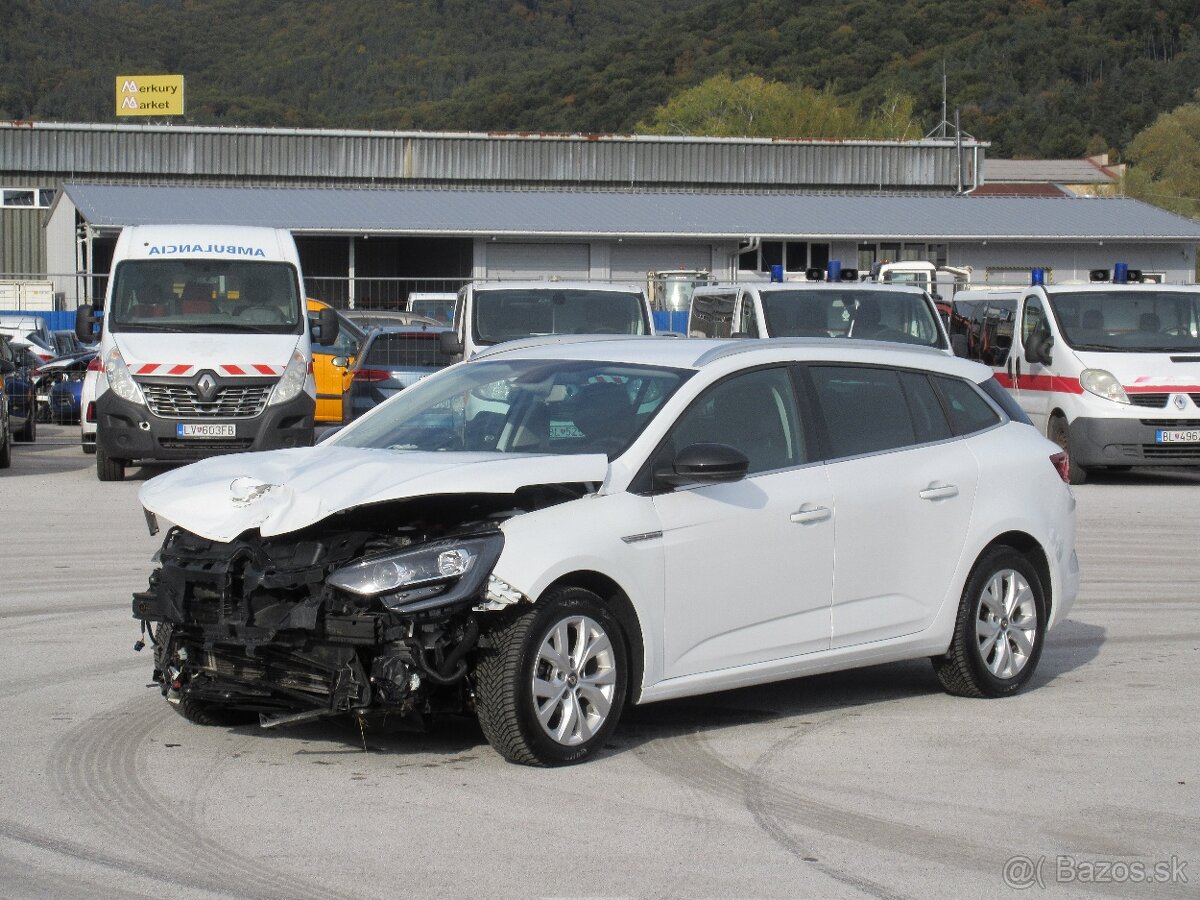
380 214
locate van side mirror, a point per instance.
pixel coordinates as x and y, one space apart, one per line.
1038 349
958 344
326 331
449 343
86 320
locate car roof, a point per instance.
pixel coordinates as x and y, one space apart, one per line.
734 353
626 287
776 287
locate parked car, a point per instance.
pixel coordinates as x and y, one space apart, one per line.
331 366
66 385
29 331
367 319
7 367
18 389
393 359
87 405
48 374
564 526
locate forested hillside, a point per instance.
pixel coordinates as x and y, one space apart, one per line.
1034 77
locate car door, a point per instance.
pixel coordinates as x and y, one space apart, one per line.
904 490
748 564
1035 381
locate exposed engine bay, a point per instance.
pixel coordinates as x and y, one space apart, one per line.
375 611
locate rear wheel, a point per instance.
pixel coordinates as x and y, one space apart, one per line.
109 469
551 684
6 450
1060 433
28 434
998 634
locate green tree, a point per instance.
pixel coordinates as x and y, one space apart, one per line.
1164 161
754 107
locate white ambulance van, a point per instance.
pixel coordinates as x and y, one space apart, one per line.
492 312
1108 369
205 346
818 308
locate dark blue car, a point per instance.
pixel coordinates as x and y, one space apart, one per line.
18 390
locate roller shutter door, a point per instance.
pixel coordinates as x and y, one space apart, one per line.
514 261
631 262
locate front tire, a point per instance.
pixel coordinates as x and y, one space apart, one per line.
551 683
28 434
6 450
109 469
999 630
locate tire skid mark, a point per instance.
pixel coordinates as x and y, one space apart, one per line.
13 831
99 764
689 760
33 683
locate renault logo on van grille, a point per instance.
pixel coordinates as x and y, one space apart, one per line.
206 386
1179 400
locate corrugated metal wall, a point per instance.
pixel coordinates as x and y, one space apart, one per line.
22 250
278 156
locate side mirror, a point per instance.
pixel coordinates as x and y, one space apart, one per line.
449 343
86 320
1038 350
958 344
327 327
705 464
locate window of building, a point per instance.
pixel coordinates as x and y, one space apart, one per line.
794 256
26 198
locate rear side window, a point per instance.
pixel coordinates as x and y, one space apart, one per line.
928 417
864 409
965 406
416 349
1005 401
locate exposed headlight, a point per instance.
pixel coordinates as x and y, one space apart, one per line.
120 382
1103 384
425 576
292 382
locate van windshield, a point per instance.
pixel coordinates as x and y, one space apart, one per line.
901 316
219 295
504 314
1129 321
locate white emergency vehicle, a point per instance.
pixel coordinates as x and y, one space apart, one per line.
205 346
1108 369
839 307
492 312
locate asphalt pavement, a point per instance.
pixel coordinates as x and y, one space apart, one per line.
871 783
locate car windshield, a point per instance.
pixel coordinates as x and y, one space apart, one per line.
509 313
405 349
900 316
1129 321
520 406
219 295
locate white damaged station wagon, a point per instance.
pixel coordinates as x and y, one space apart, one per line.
564 526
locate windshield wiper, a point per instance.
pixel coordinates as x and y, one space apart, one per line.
231 328
144 326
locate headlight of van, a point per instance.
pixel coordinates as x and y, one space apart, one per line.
1103 384
429 575
292 382
120 382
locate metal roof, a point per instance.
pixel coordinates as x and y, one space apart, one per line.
626 214
329 158
1055 171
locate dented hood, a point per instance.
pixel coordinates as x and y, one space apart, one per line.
284 490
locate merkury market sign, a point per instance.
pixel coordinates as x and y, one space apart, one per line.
149 95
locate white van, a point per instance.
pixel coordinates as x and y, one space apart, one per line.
205 346
1108 370
492 312
847 309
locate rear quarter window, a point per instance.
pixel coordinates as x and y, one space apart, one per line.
1005 401
966 408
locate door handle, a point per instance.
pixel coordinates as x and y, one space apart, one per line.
808 514
937 491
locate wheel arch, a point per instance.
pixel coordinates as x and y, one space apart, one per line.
618 602
1030 548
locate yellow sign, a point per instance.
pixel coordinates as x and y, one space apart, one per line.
149 95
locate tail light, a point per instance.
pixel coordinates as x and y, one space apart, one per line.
90 415
96 365
372 375
1062 462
